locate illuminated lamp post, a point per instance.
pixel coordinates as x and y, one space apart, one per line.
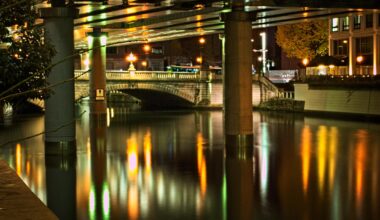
305 62
199 60
147 49
131 58
202 41
359 60
144 63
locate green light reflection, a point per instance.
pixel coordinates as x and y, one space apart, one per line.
106 201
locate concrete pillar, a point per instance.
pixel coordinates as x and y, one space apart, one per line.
96 45
375 53
222 37
352 56
238 78
59 107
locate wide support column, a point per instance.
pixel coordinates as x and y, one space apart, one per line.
59 107
96 43
238 79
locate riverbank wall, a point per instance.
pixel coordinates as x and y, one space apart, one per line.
338 99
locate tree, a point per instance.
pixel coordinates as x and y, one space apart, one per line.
304 40
25 56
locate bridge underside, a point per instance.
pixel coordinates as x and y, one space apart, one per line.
158 99
141 21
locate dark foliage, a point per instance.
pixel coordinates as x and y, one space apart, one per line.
25 56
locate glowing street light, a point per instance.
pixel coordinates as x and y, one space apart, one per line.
131 58
147 48
202 40
359 59
144 63
305 61
199 60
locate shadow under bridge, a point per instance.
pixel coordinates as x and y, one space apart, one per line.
158 94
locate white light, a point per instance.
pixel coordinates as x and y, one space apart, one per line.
264 49
90 40
103 40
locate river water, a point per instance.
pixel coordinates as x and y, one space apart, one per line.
172 165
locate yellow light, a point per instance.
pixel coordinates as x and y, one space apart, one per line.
305 156
132 158
321 66
199 59
305 61
345 41
359 59
331 66
202 40
147 48
148 151
131 58
144 63
201 163
18 159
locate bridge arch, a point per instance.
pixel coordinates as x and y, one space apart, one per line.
150 93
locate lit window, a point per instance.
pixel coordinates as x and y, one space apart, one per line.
345 24
357 21
335 25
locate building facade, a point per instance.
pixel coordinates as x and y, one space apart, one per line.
355 40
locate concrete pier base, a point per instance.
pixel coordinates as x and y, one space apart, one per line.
59 107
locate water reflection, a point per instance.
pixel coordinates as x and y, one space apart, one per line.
170 165
240 185
61 184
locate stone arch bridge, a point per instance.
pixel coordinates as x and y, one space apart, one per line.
170 89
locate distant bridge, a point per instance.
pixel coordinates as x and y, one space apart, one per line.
169 89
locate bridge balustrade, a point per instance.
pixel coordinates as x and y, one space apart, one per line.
140 75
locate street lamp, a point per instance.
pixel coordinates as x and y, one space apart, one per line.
359 59
147 48
131 58
144 63
199 60
202 40
305 61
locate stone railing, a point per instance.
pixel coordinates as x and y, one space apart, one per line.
141 75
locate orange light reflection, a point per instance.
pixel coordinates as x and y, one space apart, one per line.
18 159
148 152
305 154
201 162
321 155
333 143
360 158
132 155
133 202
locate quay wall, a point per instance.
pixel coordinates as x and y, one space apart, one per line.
364 101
